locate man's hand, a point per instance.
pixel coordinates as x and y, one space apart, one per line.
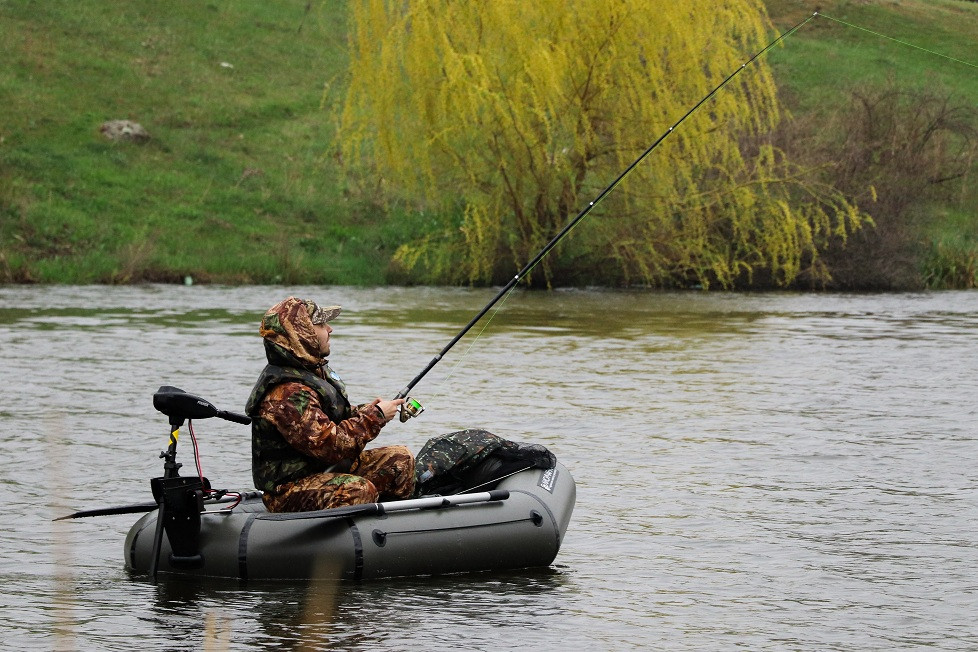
387 408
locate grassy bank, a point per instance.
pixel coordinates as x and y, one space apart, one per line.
833 57
238 182
235 184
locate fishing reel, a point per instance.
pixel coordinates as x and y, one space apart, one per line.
410 408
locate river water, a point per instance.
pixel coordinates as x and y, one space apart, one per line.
767 472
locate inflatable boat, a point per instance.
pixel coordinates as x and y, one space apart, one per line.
516 520
519 524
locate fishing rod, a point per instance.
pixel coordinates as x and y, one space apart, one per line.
411 406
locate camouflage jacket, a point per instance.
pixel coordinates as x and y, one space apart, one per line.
302 420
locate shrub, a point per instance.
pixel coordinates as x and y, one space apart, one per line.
899 150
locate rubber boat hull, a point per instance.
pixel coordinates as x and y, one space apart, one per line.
523 530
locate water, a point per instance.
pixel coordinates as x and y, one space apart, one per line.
771 472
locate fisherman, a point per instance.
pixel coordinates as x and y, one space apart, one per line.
308 442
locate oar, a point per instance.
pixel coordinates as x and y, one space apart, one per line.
145 507
429 502
107 511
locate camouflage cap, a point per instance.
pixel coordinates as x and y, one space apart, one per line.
321 314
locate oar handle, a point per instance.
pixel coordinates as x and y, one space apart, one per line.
427 502
434 502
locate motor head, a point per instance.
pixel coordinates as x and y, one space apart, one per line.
179 406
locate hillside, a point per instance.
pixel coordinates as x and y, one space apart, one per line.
236 169
922 54
237 182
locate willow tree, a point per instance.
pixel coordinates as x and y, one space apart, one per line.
500 120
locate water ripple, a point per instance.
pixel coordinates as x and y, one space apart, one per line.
770 472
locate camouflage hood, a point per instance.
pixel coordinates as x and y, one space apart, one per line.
290 340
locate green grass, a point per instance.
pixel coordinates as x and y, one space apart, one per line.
236 184
239 183
823 62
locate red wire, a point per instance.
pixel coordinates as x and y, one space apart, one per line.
233 493
200 474
193 438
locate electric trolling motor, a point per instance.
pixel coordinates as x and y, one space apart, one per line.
181 499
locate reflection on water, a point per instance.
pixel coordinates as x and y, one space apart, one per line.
764 471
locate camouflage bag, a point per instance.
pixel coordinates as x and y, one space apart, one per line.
473 458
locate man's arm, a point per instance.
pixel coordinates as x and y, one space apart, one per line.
295 411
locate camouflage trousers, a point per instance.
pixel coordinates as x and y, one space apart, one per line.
379 473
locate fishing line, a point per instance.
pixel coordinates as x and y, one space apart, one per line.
896 40
493 481
475 339
511 285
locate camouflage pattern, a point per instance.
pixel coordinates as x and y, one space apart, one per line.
321 314
288 326
448 463
294 435
390 469
303 423
456 450
321 491
381 474
325 382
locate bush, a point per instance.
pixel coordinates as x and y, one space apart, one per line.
899 151
951 266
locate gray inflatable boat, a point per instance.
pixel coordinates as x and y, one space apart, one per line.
519 524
